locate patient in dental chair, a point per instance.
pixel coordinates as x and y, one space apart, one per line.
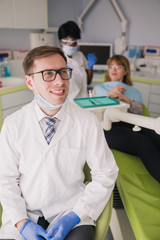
144 143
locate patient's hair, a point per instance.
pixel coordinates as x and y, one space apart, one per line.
120 60
37 53
69 28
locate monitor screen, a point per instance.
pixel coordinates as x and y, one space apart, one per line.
103 51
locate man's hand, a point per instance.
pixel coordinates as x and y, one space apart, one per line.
63 226
33 231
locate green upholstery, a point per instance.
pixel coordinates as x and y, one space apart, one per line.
145 111
103 221
0 213
140 194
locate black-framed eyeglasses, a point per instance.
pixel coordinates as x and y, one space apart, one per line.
50 74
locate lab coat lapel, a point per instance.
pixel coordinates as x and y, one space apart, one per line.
37 131
65 126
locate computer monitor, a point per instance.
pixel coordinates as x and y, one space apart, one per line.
103 51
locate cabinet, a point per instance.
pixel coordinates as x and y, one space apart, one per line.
154 103
30 14
150 90
12 99
145 89
6 14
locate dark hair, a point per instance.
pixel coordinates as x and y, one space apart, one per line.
69 28
40 52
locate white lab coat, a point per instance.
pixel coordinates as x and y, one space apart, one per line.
78 81
36 177
81 59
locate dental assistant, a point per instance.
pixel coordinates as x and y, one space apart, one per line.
44 147
68 34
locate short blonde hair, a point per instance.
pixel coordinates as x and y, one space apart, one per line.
120 60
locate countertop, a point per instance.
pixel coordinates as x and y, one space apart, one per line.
138 76
146 77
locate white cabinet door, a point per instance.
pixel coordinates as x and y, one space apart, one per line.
11 102
6 14
144 89
16 98
154 103
31 14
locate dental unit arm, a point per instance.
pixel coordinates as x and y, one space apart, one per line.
120 44
84 13
120 15
116 115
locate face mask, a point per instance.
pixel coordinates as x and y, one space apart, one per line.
46 104
69 51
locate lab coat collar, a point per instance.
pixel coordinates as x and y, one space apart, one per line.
65 124
40 114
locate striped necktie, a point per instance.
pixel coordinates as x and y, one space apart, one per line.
50 130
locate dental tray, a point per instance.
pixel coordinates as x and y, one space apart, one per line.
95 102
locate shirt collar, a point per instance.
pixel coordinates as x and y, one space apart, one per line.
40 114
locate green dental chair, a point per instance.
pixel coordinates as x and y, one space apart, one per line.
103 221
0 214
140 194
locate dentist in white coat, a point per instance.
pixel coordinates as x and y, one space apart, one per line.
43 149
68 34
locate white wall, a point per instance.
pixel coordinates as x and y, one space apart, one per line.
100 25
15 39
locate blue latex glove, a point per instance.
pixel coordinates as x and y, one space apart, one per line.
63 226
33 231
92 59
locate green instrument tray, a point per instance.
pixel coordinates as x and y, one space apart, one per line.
95 102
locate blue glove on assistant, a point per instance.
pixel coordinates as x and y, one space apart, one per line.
63 226
92 59
31 230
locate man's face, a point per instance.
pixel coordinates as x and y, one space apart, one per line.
54 92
